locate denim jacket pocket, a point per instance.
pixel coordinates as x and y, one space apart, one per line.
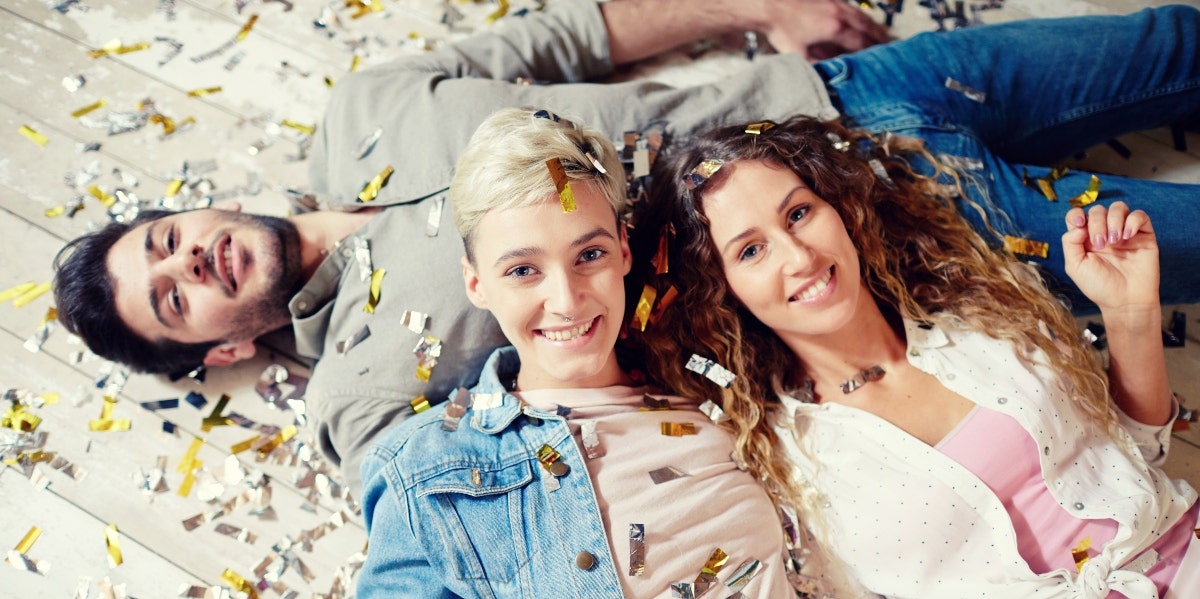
484 515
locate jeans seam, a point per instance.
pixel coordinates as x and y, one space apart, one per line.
1095 109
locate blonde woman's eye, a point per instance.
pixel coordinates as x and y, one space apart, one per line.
520 272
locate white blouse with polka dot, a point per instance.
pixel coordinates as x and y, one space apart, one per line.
909 521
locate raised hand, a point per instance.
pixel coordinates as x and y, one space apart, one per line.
820 29
1112 255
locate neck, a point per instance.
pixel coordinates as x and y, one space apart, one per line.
321 231
867 340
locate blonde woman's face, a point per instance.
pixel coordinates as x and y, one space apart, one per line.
555 283
785 251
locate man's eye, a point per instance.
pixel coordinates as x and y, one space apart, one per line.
175 303
171 241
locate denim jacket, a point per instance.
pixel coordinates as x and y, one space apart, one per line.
470 513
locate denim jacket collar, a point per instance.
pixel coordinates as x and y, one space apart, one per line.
493 408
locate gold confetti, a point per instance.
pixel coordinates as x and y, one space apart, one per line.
55 211
114 46
1080 553
16 291
420 404
173 188
376 289
106 422
759 128
661 267
562 184
236 581
237 448
98 104
215 418
278 439
703 172
501 10
105 198
1027 247
678 429
204 91
301 127
113 540
168 125
1045 184
372 188
28 540
247 27
33 135
31 295
355 62
1091 194
189 457
641 314
19 419
664 303
328 82
365 8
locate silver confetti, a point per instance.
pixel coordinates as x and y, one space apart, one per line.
591 441
434 223
743 574
711 370
713 411
415 321
666 474
362 257
968 91
367 144
72 83
456 409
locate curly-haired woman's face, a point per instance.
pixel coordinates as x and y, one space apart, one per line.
785 251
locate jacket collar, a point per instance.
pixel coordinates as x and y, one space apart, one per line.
493 408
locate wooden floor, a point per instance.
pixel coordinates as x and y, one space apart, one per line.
298 531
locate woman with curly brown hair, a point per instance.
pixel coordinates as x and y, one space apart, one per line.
915 394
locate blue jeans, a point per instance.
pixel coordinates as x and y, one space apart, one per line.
1054 88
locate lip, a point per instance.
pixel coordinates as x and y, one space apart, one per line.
220 266
577 342
829 287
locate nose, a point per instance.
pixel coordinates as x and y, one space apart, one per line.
188 265
796 256
564 294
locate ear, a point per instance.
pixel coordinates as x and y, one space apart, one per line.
227 205
626 255
471 281
230 353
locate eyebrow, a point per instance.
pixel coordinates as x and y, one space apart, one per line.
787 198
525 252
154 303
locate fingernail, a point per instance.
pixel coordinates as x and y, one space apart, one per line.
1078 221
1098 242
1112 237
1127 234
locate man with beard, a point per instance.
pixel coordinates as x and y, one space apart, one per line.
379 304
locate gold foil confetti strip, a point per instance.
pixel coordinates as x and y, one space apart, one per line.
456 409
113 540
881 172
677 429
415 321
106 422
501 10
711 370
367 144
98 104
189 461
215 418
591 441
641 313
1090 195
1080 553
551 460
247 27
18 418
301 127
22 300
743 574
236 581
204 91
1026 247
16 291
52 397
371 190
73 83
428 350
420 404
104 197
278 439
362 257
239 447
55 211
114 46
173 188
637 549
375 289
971 93
32 135
365 8
664 303
355 62
703 172
759 128
27 541
1045 184
347 344
434 223
713 411
666 474
562 184
660 259
708 574
652 403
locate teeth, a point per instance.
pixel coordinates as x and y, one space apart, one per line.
569 334
816 288
229 262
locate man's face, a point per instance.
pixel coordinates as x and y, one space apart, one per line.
206 275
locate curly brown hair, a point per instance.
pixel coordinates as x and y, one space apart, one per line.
919 257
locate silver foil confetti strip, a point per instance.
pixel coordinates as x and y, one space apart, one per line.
881 173
367 144
743 574
713 411
415 321
666 474
434 223
637 549
971 93
711 370
591 441
362 257
73 83
347 344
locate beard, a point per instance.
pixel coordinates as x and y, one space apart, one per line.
279 255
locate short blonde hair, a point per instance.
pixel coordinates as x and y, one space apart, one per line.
504 165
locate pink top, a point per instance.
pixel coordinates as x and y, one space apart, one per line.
1046 533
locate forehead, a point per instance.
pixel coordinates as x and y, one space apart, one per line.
545 220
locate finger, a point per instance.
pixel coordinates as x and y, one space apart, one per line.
872 32
1097 226
1117 213
1137 222
1076 219
1074 248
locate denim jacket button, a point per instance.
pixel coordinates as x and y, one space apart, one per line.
559 469
585 560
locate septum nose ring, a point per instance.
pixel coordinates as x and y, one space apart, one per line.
564 316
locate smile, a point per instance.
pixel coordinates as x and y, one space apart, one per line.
815 289
569 334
